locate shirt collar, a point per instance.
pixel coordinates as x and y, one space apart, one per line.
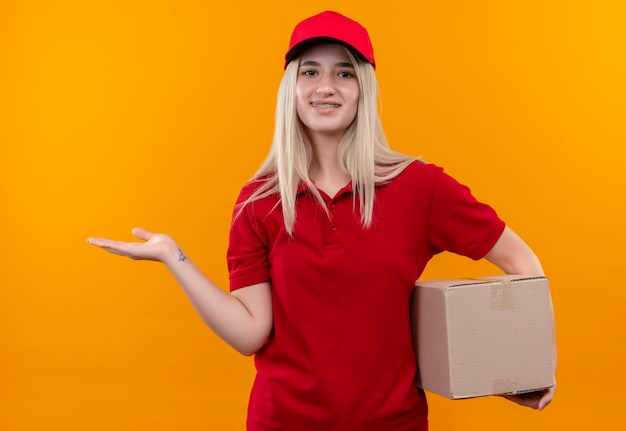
303 188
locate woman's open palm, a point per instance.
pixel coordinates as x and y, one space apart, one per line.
155 246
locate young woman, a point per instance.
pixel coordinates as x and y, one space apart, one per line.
326 243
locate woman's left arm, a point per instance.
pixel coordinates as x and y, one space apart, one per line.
514 256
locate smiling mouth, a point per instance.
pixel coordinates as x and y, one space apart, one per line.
325 105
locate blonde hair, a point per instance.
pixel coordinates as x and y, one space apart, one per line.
363 152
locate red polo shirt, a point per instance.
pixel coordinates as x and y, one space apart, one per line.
340 354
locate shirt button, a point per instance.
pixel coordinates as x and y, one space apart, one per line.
333 226
332 206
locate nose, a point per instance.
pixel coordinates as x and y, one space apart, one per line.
325 90
325 86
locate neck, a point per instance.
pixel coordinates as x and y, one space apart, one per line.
326 171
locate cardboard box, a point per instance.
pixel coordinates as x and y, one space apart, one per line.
483 336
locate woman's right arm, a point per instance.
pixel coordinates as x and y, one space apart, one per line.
242 318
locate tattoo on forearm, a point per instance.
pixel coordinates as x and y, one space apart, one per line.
181 256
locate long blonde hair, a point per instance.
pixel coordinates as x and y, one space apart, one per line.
363 152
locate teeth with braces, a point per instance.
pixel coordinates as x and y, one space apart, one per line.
325 105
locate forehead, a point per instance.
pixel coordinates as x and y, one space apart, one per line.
333 52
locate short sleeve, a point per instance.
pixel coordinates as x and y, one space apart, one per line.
247 254
459 223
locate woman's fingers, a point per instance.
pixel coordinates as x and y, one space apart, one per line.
536 400
98 242
153 246
116 247
142 233
120 246
546 398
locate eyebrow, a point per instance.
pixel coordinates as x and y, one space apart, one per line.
316 63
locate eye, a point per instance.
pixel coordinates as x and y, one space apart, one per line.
309 72
346 74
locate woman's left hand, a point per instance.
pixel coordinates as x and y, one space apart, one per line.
537 400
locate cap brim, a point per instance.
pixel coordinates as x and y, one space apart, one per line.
296 50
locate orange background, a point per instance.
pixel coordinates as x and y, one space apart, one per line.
153 113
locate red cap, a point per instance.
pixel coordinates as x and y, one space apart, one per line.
330 27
